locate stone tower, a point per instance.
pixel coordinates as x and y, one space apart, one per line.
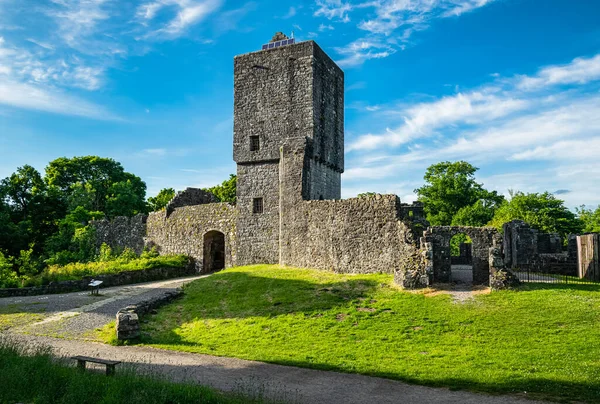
288 139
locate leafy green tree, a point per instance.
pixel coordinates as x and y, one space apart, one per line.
476 215
75 239
8 277
126 198
92 178
226 192
22 189
450 187
160 201
590 219
542 211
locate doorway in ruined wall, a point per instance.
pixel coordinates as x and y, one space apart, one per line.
461 259
214 251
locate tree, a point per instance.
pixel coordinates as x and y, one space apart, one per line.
450 187
91 177
226 192
161 200
542 211
22 189
590 219
476 215
126 198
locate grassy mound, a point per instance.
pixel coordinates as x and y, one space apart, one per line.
543 340
33 377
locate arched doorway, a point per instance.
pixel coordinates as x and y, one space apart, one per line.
214 251
461 259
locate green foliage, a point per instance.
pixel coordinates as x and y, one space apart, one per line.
8 277
476 215
125 262
161 200
450 187
149 253
105 254
366 195
34 376
226 192
126 198
590 219
75 239
542 211
455 243
543 339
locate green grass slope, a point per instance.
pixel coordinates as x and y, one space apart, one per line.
543 340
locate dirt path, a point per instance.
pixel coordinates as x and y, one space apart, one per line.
285 383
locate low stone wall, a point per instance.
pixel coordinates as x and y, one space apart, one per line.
128 319
122 278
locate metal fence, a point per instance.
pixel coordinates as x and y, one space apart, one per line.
545 276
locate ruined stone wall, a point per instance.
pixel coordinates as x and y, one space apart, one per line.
183 231
483 238
359 235
190 197
121 232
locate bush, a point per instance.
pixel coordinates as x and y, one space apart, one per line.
78 270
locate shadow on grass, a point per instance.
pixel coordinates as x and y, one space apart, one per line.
229 295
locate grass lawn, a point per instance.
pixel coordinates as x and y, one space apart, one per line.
34 377
542 339
14 316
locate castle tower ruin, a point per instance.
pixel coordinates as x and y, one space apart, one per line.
288 139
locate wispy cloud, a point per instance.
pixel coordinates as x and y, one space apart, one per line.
392 22
186 14
356 53
27 96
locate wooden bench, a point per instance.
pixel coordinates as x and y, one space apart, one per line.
110 365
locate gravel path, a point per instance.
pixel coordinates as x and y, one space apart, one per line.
75 315
285 383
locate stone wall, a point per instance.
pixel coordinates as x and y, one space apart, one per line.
190 197
359 235
128 318
183 231
483 238
122 278
526 248
121 232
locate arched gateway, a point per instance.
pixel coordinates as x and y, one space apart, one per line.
214 251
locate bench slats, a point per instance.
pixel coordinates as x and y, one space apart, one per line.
95 360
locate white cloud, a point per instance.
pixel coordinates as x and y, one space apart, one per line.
355 53
579 71
187 14
422 120
77 19
291 12
334 9
324 27
31 97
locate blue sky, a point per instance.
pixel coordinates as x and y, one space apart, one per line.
512 86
